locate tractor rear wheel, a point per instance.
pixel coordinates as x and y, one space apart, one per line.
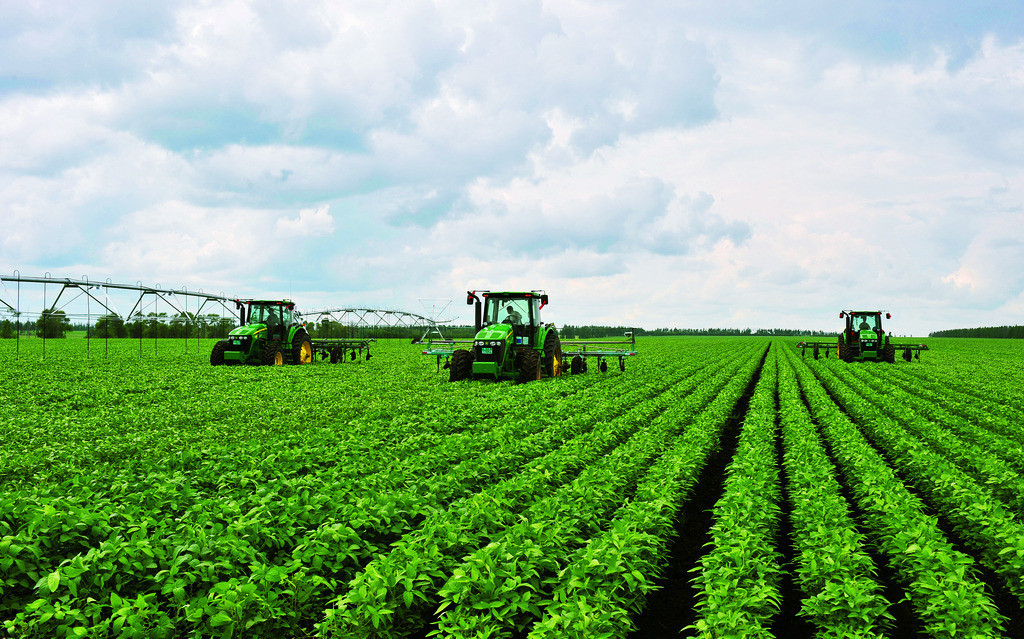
552 355
217 354
577 365
528 364
302 348
461 366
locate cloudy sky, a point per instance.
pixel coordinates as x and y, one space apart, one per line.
689 164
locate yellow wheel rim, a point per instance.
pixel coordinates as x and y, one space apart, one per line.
305 353
557 367
278 358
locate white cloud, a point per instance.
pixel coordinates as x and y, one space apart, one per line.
310 222
679 164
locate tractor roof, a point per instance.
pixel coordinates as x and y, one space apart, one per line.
286 303
512 293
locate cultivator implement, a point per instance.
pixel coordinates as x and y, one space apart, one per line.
444 349
908 351
337 350
576 354
603 350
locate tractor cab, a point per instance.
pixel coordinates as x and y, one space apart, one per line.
520 312
864 327
277 316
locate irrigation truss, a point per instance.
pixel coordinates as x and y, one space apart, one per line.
192 311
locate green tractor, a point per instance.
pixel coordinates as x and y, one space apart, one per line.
271 333
511 341
864 339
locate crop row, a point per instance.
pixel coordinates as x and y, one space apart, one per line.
941 583
975 421
398 591
236 543
977 514
738 580
842 596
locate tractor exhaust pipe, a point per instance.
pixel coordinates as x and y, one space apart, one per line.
477 312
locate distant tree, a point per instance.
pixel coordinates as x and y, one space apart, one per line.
110 326
999 332
6 329
52 324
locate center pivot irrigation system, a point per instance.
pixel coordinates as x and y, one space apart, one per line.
864 339
511 341
340 332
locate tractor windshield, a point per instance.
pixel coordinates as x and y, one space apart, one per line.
508 311
269 314
866 322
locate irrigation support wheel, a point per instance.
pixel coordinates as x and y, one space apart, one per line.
217 354
461 366
528 364
302 348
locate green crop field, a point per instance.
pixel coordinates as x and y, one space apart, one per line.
719 487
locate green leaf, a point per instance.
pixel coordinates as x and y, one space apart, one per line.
220 619
53 581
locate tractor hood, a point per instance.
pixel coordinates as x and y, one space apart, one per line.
495 332
250 330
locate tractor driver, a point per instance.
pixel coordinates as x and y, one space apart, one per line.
513 315
271 322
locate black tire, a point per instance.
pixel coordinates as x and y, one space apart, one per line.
577 365
843 351
552 355
528 364
461 366
217 354
889 354
302 348
272 354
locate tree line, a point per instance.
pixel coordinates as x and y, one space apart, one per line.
56 324
1004 332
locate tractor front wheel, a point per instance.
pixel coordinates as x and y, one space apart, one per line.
302 348
272 354
528 363
461 366
217 355
889 354
843 351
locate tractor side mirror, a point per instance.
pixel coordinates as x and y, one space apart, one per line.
842 314
470 298
888 316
